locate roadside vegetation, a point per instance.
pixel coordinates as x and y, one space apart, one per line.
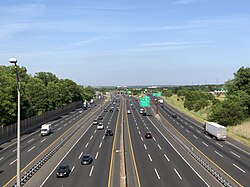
231 110
39 93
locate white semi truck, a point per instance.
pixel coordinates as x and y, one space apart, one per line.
45 129
216 130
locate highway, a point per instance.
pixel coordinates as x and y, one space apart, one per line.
95 143
232 159
33 145
159 164
127 158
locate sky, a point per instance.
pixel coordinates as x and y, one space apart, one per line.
128 42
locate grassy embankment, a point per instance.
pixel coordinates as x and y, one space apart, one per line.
239 132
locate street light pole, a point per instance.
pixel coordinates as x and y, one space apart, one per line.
14 61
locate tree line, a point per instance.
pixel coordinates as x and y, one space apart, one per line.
232 110
39 93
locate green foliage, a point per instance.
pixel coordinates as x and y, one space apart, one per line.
237 105
167 93
227 113
39 94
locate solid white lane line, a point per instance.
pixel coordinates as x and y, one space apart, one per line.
72 168
218 154
90 173
207 137
145 146
219 144
86 144
43 140
177 174
139 132
30 140
31 148
166 157
96 155
141 139
195 136
13 162
2 158
158 176
14 150
80 155
100 145
235 154
159 146
239 168
179 153
91 137
149 157
205 144
198 131
188 131
59 128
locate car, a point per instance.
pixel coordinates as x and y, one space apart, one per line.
108 132
174 115
80 111
111 110
129 112
144 113
100 118
100 126
63 170
95 122
133 108
148 135
141 111
117 108
105 110
86 159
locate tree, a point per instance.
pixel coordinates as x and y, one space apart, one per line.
227 113
46 77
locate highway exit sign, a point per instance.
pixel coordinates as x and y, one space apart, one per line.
145 101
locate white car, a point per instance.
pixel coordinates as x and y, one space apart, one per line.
100 126
95 122
141 111
129 112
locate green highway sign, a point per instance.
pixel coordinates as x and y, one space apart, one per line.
145 101
157 94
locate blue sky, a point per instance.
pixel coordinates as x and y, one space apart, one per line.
131 42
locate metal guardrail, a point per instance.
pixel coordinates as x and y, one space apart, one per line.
223 181
45 158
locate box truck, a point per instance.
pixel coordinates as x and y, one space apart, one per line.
45 129
216 130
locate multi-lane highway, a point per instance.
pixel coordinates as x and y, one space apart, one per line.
230 157
34 146
127 158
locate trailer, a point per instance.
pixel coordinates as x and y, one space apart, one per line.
216 130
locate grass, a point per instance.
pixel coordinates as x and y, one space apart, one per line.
240 133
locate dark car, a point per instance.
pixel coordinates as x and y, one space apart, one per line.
108 132
111 110
100 117
105 110
174 115
148 135
86 159
144 113
63 170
